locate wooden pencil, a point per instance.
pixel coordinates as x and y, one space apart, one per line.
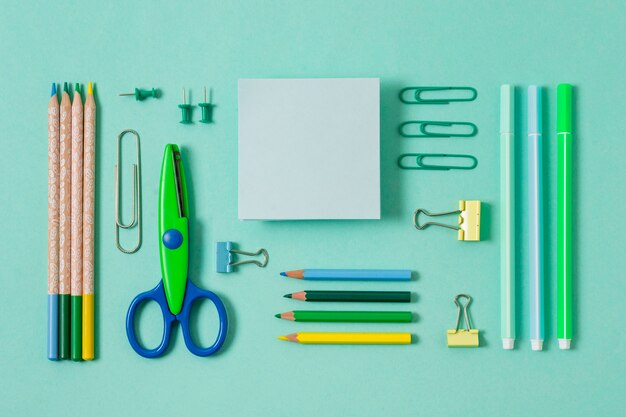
53 225
89 191
77 227
348 338
353 296
65 215
348 316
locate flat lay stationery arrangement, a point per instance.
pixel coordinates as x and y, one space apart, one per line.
322 208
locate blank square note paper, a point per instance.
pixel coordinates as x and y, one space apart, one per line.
309 149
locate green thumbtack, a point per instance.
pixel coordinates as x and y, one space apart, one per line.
185 110
140 94
207 108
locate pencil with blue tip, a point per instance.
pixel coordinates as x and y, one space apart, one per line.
53 225
76 289
65 215
350 274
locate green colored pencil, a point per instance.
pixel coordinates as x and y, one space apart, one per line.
348 316
353 296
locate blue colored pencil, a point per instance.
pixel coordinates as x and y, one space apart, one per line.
53 225
350 274
535 218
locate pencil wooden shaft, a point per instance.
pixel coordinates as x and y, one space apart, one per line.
77 227
65 214
53 227
353 338
89 187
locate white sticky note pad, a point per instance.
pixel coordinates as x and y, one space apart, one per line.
309 149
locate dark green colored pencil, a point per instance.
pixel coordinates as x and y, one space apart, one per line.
353 296
348 316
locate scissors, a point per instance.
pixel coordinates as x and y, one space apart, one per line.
175 293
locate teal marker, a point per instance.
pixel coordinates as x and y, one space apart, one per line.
564 215
507 216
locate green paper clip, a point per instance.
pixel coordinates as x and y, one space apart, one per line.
419 161
418 91
424 132
185 111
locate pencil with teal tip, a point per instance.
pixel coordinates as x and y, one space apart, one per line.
53 225
535 217
76 289
564 215
507 216
65 214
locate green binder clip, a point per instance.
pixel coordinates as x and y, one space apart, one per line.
419 161
416 95
422 129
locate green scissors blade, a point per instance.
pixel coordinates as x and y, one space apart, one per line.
173 228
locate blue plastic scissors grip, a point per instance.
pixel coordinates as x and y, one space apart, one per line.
192 294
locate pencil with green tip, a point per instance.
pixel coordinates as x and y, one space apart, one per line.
353 296
564 215
65 216
348 316
77 227
89 189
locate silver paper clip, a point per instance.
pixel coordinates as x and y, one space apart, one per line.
136 217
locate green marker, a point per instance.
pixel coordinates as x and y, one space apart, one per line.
348 316
564 215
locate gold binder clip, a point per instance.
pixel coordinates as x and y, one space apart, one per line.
467 337
469 220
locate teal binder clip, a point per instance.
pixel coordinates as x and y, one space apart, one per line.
226 257
416 95
420 129
419 161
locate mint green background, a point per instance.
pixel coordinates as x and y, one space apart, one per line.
169 45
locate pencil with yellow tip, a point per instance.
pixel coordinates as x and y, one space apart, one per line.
89 187
336 338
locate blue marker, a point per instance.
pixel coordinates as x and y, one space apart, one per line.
535 218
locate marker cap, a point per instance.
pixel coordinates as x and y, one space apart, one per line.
564 108
536 344
507 108
508 343
564 344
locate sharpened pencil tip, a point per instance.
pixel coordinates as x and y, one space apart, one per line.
287 295
65 88
54 89
76 88
277 315
283 274
283 338
90 88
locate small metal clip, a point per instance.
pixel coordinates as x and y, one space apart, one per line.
136 219
467 337
226 261
424 132
469 220
421 165
418 91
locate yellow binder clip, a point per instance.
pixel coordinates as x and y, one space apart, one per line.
469 220
467 337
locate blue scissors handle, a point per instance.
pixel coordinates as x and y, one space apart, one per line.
192 294
156 294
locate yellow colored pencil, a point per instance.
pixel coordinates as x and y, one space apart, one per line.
335 338
89 191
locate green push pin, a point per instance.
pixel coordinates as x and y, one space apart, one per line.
207 108
185 110
141 95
